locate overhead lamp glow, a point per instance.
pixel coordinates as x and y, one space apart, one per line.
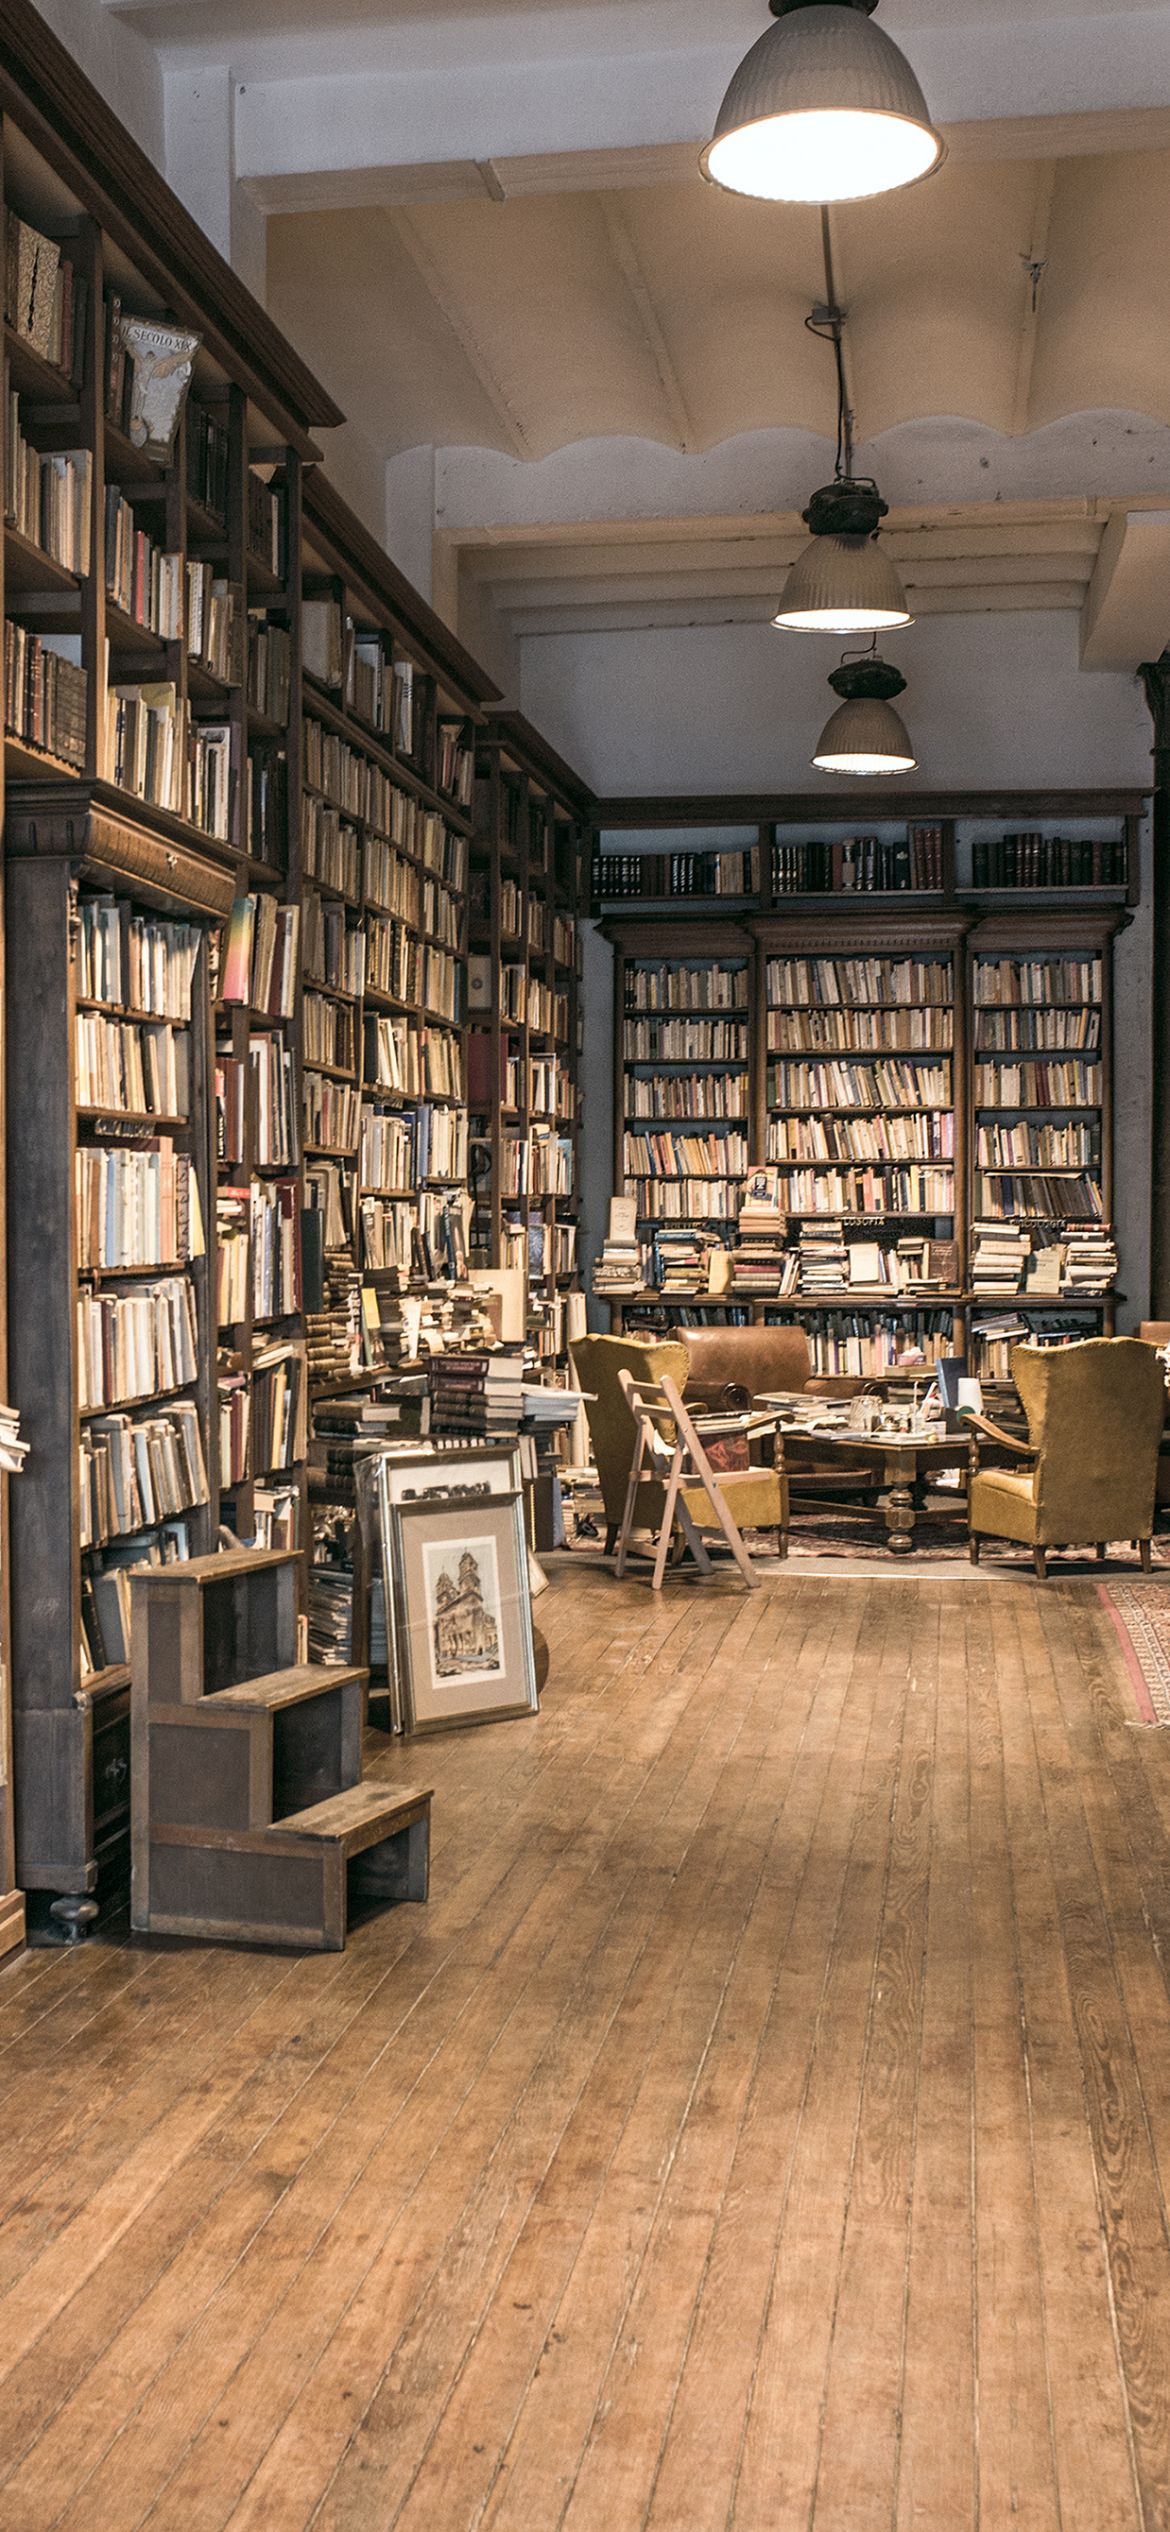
865 735
823 109
843 582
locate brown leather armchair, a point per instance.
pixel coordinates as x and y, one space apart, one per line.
727 1367
1095 1415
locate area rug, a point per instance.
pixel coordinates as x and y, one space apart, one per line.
1139 1613
939 1539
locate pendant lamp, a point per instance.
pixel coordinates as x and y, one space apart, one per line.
823 109
843 582
865 735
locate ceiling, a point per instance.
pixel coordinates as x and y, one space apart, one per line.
486 228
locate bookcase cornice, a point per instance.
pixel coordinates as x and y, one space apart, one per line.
73 822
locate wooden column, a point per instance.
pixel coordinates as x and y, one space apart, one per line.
1155 677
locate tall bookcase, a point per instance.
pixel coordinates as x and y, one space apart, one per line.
528 875
899 1110
150 744
392 708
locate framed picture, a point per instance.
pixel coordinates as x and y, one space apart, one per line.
463 1611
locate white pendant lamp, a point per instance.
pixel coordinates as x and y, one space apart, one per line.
843 582
824 109
865 735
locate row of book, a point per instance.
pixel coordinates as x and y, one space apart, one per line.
46 694
137 1344
992 1340
392 883
826 983
1032 860
141 963
409 1061
685 1042
893 1189
332 1111
269 683
1036 1195
331 847
258 1251
1070 1085
134 1067
679 985
255 1102
334 947
860 1345
260 955
685 1155
536 1164
48 495
860 865
918 1029
715 1094
1072 1026
1039 983
442 915
146 581
328 1032
137 1471
1023 1146
928 1135
883 1081
136 1207
729 873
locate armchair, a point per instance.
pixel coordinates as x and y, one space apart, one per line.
597 1364
1087 1471
727 1367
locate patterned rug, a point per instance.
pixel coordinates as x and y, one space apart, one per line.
939 1538
1140 1615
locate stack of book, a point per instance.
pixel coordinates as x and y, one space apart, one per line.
999 1254
618 1271
926 1266
1090 1259
478 1393
823 1262
762 1269
681 1262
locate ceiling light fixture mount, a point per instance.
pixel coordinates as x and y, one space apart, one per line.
824 108
865 736
843 582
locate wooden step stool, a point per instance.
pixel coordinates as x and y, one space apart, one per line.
250 1819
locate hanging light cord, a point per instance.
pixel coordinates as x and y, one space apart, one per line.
828 325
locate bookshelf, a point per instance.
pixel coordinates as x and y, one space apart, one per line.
111 1176
528 863
886 1102
149 600
392 708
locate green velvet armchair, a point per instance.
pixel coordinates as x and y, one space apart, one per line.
1095 1413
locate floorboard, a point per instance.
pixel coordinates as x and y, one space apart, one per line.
766 2124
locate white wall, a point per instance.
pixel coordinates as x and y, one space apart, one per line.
990 700
124 68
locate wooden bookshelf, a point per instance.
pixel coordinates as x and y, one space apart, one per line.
528 874
866 1072
104 546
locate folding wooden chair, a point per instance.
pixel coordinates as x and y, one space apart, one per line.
697 1496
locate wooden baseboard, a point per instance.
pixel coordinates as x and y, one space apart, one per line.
11 1922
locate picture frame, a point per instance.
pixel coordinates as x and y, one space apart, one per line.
463 1638
429 1473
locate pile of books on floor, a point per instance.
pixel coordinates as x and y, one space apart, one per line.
999 1255
1090 1258
479 1393
333 1332
618 1271
348 1429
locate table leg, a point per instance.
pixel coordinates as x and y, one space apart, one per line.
899 1509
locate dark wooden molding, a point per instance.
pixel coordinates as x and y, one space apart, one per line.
679 940
364 561
871 802
47 93
913 934
522 740
78 822
1155 676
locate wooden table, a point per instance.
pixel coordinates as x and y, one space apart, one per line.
906 1460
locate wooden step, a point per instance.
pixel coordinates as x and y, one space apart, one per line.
298 1883
288 1687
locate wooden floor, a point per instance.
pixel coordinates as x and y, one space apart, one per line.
767 2123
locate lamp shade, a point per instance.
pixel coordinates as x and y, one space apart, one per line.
842 584
865 737
823 109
